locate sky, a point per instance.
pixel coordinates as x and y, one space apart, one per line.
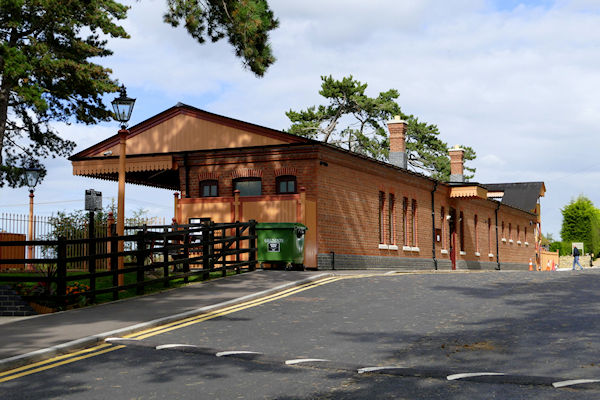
518 81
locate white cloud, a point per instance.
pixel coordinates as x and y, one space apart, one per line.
519 84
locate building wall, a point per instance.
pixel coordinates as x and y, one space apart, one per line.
346 190
349 227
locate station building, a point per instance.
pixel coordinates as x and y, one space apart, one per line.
360 212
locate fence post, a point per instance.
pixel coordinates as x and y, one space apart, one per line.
237 247
252 246
165 254
205 250
186 254
61 271
92 256
114 261
139 255
223 256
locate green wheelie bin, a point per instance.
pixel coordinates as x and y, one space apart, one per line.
281 243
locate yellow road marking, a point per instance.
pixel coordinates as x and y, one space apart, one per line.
29 366
235 307
106 348
71 360
240 307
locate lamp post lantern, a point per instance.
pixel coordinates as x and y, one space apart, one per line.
122 106
32 177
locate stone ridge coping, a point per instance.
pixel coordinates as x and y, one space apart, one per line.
63 348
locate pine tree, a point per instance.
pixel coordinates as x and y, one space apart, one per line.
357 122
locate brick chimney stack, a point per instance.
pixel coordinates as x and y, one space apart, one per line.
397 128
457 156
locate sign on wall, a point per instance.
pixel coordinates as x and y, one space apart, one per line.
579 246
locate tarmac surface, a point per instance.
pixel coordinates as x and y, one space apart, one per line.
30 339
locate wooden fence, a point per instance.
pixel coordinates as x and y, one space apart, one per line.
157 254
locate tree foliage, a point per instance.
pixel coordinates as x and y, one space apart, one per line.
245 23
581 223
357 122
46 73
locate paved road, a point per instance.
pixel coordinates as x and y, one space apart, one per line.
533 328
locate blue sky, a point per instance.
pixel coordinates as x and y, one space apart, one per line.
517 81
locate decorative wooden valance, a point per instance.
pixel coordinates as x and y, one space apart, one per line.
93 167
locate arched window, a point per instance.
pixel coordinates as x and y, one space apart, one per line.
209 188
248 186
489 235
286 184
443 225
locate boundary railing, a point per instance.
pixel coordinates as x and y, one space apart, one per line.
170 251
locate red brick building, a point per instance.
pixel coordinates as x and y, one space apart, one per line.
360 212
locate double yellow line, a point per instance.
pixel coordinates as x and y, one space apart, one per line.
107 347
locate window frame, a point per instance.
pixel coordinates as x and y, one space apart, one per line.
209 183
392 218
286 178
247 179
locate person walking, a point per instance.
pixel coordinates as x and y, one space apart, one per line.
576 258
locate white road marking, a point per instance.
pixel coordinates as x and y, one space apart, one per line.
118 339
371 369
231 353
303 360
472 374
573 382
390 273
173 345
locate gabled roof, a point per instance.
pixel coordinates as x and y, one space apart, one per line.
521 195
186 128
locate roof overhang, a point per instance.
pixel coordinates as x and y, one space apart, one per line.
151 170
473 191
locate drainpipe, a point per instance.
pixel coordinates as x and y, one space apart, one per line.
187 175
497 245
435 264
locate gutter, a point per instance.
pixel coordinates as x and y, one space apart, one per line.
497 244
435 263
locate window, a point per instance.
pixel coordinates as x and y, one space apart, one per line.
405 220
525 234
476 234
392 219
381 222
461 223
248 186
518 233
509 231
286 184
503 235
413 225
209 188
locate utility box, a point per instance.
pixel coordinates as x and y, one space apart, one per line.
281 243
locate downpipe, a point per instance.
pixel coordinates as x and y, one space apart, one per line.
435 263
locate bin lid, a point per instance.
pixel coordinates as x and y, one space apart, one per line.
280 225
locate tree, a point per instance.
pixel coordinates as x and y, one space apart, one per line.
581 223
245 23
47 73
357 122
